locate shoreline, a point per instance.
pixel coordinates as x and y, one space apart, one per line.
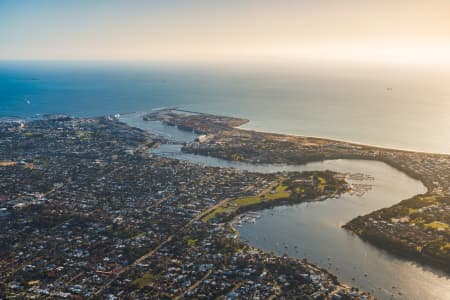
431 169
248 121
268 135
375 147
352 143
381 147
395 158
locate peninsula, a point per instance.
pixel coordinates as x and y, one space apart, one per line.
416 228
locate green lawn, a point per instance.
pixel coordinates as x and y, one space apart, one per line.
215 212
281 188
322 183
280 192
32 134
85 135
445 247
429 199
437 225
146 279
247 200
191 242
412 211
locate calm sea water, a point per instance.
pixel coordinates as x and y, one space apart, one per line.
403 108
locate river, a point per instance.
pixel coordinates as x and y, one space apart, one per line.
313 230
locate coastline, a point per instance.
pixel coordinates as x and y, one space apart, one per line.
247 121
234 143
235 149
388 162
331 139
391 161
240 127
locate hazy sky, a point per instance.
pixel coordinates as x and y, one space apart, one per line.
405 31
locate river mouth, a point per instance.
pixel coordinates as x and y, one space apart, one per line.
313 230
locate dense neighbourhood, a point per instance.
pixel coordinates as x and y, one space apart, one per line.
86 212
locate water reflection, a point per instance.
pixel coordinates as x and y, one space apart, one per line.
313 230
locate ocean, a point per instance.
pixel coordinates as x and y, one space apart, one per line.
399 107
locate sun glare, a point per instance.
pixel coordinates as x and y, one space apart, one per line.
382 53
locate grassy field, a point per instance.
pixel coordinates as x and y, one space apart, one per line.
217 211
322 184
437 225
412 211
445 247
191 242
85 135
146 279
280 192
247 200
425 201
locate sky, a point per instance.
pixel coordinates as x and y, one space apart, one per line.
391 31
